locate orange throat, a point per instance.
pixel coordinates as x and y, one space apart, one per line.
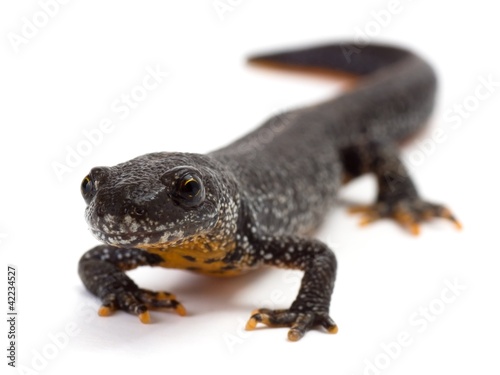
197 254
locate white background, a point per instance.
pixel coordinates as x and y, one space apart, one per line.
64 79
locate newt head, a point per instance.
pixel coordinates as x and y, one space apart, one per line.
156 199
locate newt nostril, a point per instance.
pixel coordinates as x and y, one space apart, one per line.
133 210
100 211
140 211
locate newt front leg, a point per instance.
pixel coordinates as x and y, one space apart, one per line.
101 270
312 305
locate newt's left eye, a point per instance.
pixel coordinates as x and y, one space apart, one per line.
87 188
191 187
190 191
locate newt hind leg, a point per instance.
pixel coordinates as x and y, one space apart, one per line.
397 198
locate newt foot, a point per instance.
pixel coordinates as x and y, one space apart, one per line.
299 322
138 302
407 212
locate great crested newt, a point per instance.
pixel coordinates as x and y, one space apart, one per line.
253 203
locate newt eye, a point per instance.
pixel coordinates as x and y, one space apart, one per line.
190 190
87 188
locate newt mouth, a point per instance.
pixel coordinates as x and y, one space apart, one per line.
141 239
127 238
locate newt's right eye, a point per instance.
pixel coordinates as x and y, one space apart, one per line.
87 188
